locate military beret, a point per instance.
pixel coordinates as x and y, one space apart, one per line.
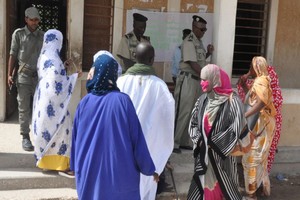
32 13
139 17
197 18
186 31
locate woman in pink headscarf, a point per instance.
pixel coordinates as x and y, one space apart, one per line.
216 123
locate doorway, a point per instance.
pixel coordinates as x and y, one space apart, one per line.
53 16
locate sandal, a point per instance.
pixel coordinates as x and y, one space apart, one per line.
68 174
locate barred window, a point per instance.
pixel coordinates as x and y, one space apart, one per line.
250 33
53 16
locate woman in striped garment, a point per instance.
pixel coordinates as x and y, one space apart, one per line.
215 129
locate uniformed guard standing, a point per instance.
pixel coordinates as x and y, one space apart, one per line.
127 48
25 48
187 90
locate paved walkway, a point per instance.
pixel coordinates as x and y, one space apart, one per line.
19 178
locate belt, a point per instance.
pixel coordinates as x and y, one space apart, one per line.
191 75
28 71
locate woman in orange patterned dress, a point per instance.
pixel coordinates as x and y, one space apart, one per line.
259 97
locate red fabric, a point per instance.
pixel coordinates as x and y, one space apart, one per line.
214 194
207 126
225 88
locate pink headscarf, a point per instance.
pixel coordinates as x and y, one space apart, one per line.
218 78
221 90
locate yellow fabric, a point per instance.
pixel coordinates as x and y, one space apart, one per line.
261 88
54 162
255 161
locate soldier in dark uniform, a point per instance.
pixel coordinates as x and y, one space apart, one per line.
25 49
127 48
187 90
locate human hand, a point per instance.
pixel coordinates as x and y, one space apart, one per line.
68 63
210 48
79 73
243 82
10 81
155 177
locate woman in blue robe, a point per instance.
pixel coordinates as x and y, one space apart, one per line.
108 146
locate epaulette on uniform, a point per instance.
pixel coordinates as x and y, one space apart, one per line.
129 35
146 38
19 29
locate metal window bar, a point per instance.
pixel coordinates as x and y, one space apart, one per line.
250 34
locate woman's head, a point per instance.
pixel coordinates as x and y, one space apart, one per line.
213 78
53 40
260 66
105 75
109 54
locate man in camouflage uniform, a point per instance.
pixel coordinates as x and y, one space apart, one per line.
188 90
25 48
127 48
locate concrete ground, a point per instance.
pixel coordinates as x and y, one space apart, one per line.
21 180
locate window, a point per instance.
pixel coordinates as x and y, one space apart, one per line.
250 33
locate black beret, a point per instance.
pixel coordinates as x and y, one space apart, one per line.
139 17
186 31
199 19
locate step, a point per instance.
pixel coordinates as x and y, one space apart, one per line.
288 154
32 178
18 171
40 194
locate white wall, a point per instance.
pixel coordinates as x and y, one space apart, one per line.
272 31
75 38
2 59
118 25
224 33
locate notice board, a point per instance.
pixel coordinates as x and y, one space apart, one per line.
165 30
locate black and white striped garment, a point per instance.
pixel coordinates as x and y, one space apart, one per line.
224 135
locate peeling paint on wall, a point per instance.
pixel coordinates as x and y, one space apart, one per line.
194 6
77 58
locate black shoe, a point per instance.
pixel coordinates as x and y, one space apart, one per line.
176 150
186 147
26 144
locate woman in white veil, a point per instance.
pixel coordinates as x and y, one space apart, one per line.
51 120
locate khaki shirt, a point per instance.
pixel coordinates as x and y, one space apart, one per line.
127 47
192 50
26 46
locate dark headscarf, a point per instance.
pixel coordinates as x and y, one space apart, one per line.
105 76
